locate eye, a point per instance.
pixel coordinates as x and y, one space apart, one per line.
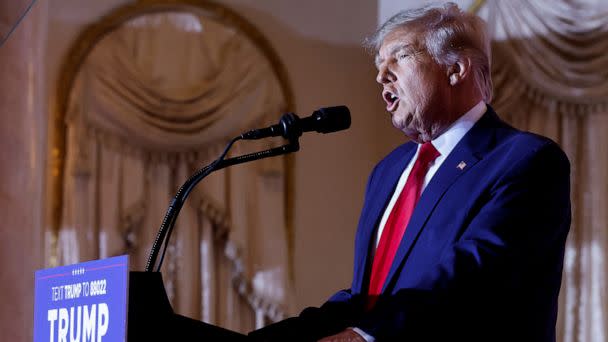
402 55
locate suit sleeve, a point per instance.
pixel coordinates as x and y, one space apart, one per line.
524 219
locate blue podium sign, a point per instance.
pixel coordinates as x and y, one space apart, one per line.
82 302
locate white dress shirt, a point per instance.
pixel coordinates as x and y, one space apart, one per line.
444 143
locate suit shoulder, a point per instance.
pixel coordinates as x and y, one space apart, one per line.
522 142
530 145
536 142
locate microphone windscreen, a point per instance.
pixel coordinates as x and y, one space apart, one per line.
332 119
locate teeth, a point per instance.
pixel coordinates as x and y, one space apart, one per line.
390 97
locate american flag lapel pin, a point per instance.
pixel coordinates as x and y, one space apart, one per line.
462 165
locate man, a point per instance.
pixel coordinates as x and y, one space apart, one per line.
462 232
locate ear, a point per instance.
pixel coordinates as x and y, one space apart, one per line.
459 71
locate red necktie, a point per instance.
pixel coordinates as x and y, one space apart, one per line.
398 220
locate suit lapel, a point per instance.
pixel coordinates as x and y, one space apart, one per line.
464 157
387 179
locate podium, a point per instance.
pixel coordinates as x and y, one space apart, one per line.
151 317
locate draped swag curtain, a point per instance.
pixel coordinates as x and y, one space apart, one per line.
550 72
157 98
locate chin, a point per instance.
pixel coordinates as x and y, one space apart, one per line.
412 134
400 122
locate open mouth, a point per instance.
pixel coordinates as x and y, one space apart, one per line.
392 101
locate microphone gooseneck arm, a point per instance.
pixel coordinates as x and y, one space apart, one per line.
164 233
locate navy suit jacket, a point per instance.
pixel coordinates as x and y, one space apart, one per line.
482 255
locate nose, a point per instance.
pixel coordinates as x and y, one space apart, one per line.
384 74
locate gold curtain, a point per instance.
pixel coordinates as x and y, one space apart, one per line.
156 98
550 72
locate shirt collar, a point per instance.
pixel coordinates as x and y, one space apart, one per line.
446 142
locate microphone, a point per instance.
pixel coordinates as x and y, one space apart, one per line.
324 120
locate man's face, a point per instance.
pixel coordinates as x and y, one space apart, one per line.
416 89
